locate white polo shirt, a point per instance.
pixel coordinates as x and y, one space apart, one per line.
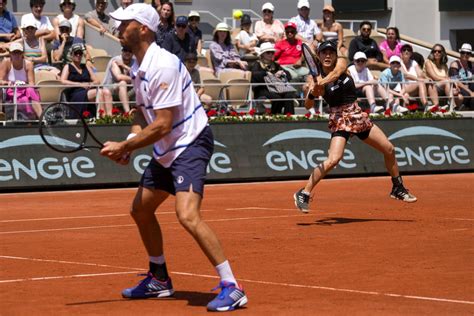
308 29
162 81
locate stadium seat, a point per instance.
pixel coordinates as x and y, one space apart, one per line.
202 61
225 76
50 91
101 62
214 88
237 92
94 52
204 74
42 75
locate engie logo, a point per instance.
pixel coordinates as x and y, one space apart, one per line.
47 167
220 162
305 158
435 154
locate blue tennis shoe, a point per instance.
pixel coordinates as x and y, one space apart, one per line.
231 297
150 287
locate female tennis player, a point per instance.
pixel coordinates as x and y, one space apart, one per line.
346 119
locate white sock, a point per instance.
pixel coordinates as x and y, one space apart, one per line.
158 260
225 272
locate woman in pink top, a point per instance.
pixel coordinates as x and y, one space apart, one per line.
269 29
391 46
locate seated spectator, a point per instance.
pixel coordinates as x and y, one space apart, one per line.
123 4
365 82
269 29
289 54
191 61
393 80
332 30
67 8
180 42
166 25
193 29
463 70
308 30
118 80
392 45
83 95
99 18
44 28
260 69
415 78
364 43
9 31
16 71
62 47
246 41
436 69
224 56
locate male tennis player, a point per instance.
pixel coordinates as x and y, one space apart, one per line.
171 118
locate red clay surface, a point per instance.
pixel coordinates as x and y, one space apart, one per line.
358 252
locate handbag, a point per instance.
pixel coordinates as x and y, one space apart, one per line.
277 85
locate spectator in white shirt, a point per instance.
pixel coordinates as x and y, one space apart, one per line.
308 30
44 28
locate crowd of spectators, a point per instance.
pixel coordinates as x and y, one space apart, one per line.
388 74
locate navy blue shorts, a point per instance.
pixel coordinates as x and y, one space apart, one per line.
189 169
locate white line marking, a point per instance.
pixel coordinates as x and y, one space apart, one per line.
316 287
133 225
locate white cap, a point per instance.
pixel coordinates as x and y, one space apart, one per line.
29 22
360 55
268 6
193 13
222 27
15 46
266 47
140 12
303 3
466 47
62 1
396 59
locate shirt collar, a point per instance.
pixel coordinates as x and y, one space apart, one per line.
146 62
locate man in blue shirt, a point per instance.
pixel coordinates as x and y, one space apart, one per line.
9 30
180 42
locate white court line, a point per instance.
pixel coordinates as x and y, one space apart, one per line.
133 225
316 287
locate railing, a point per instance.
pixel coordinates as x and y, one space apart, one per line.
249 102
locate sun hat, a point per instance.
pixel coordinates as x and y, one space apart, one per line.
141 12
360 55
266 47
15 46
395 59
193 13
303 3
466 47
268 6
222 27
329 8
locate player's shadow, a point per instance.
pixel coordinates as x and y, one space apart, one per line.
193 299
329 221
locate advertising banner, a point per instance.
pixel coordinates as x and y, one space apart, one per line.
246 151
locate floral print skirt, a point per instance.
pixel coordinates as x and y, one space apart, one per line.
349 118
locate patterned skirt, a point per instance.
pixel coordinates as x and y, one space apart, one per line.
349 118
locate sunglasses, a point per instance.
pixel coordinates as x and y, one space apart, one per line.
29 28
267 11
181 26
437 51
194 19
64 29
359 61
465 53
366 29
78 53
406 50
292 31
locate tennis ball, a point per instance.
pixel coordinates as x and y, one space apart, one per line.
78 135
238 14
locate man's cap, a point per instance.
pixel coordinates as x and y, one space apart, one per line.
303 3
245 19
77 47
141 12
395 59
193 13
181 20
266 47
29 22
64 1
290 24
360 55
327 45
329 8
268 6
65 23
16 46
222 27
466 47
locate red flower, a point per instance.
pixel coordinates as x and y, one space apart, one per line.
233 113
252 112
288 114
115 111
101 112
443 111
268 111
86 114
434 109
388 112
308 115
317 112
412 107
242 113
367 111
211 113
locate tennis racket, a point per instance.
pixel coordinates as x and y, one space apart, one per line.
64 130
312 66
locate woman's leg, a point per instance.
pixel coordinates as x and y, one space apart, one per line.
379 141
369 93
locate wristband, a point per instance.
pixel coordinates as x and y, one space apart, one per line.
131 135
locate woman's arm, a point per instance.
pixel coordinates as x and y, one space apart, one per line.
80 28
431 72
30 74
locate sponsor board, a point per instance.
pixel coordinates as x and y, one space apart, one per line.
243 152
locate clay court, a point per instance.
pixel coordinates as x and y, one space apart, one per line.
357 252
